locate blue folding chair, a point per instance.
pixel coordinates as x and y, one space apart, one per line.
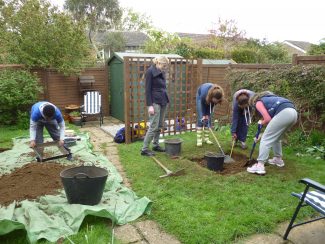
92 106
314 199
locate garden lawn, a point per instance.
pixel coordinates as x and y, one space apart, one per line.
7 133
206 207
200 206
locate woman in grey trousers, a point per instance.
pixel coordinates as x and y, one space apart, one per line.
279 114
157 100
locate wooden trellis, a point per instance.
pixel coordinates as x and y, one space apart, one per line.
181 85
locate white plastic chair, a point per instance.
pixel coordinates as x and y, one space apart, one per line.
92 106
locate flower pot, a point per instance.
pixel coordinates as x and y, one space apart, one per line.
75 120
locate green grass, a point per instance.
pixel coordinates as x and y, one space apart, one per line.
7 133
204 207
201 206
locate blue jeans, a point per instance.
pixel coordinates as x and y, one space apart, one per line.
51 126
156 124
199 113
241 129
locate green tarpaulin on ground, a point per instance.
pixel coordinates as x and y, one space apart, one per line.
52 217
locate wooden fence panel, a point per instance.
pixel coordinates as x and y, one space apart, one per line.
65 90
305 60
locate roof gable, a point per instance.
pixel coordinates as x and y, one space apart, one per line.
299 45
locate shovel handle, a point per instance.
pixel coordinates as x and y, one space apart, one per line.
215 138
161 165
259 128
232 147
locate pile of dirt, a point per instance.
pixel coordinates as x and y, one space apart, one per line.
31 181
229 168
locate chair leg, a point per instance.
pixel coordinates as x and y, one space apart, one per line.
296 213
292 221
101 120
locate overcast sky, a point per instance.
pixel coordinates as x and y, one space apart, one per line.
275 20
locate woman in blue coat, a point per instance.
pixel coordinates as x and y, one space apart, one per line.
207 96
241 116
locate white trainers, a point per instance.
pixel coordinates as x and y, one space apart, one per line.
256 169
243 145
276 161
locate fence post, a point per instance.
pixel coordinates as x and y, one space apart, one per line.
295 59
127 88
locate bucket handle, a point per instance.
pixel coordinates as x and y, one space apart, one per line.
89 164
80 176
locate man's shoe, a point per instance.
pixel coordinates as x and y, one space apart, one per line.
243 145
147 153
256 169
276 161
158 149
69 157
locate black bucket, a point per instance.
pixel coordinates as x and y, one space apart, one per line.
214 161
84 184
173 146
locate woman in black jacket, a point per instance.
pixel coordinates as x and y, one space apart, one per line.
157 100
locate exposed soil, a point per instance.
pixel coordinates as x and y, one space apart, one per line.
229 168
31 181
3 149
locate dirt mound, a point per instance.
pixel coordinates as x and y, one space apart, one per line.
31 181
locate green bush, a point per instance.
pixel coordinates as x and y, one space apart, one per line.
245 55
317 138
23 120
209 53
18 91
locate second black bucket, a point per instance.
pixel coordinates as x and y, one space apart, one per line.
173 146
214 161
84 184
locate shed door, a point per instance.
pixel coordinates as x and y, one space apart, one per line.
117 90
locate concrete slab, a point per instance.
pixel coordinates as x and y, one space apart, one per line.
112 129
152 233
127 234
313 233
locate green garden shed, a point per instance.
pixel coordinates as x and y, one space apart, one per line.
137 65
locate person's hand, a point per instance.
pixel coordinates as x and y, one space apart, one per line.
259 125
234 136
151 110
205 121
61 143
32 144
257 139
